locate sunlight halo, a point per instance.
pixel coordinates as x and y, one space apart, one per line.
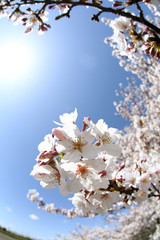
15 60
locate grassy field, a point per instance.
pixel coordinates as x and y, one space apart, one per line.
12 235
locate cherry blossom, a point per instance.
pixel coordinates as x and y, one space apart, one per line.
78 161
50 177
108 179
87 174
76 144
68 118
105 136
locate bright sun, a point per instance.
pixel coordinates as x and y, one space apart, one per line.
14 60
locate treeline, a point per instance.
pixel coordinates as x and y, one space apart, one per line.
13 235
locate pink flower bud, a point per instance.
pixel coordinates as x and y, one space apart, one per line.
117 3
58 134
84 126
103 173
121 166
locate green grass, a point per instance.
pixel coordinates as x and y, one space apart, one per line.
13 235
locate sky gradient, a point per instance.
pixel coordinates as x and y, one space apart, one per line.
69 66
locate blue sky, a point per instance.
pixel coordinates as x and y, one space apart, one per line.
68 67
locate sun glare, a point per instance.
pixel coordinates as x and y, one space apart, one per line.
14 60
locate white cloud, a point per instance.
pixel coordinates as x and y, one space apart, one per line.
8 209
33 217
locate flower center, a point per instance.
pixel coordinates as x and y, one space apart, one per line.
81 169
78 144
107 138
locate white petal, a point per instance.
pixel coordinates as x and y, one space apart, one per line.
62 188
114 133
71 131
47 144
49 185
112 149
73 156
87 137
39 172
90 151
96 164
102 126
69 117
74 186
69 166
64 146
101 183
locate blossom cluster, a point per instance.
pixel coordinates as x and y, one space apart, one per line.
29 18
36 13
80 162
140 143
90 166
85 164
33 196
130 41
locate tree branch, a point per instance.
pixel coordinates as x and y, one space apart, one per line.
102 9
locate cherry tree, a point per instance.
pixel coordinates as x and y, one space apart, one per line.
102 167
99 165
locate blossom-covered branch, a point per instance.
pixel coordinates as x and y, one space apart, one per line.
30 12
80 162
33 196
84 163
140 223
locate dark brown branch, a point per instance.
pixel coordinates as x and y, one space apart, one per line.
140 11
102 9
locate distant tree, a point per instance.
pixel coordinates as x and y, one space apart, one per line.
141 223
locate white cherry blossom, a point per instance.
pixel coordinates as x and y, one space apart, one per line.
120 24
103 201
105 136
86 174
80 202
76 144
47 144
68 118
50 177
